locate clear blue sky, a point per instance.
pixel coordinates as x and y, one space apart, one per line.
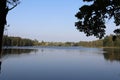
47 20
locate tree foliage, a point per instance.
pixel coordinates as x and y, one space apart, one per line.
106 42
18 41
92 17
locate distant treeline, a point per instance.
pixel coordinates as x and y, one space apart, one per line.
108 41
18 41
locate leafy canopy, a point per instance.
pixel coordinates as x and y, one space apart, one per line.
92 17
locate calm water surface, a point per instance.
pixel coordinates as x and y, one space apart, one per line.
59 63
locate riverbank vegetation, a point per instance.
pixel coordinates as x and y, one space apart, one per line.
18 41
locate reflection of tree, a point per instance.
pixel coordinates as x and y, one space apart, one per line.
112 54
0 60
0 66
17 51
14 51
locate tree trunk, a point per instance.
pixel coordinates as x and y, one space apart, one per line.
1 35
3 13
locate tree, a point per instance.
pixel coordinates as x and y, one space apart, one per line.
5 7
108 42
92 17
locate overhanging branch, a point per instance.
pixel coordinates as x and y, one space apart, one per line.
13 7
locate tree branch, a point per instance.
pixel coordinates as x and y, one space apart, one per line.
13 7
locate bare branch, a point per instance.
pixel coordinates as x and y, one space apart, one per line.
13 7
11 4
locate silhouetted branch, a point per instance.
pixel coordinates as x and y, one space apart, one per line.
13 7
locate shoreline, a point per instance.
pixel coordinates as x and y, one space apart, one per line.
111 47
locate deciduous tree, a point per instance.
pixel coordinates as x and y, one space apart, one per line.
92 17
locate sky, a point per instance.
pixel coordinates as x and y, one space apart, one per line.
47 20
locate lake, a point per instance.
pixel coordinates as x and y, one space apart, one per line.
59 63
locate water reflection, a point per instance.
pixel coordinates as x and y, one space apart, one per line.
7 52
59 63
112 54
17 51
0 61
0 66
